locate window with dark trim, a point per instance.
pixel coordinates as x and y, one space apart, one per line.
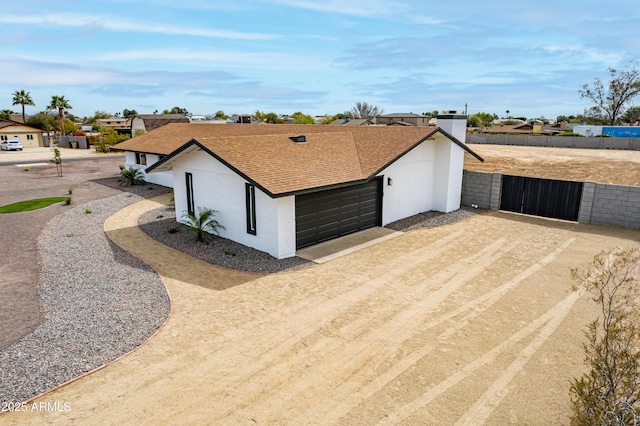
29 137
188 177
141 158
250 193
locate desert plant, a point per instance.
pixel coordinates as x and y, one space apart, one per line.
67 201
202 222
88 211
25 168
57 159
131 176
609 393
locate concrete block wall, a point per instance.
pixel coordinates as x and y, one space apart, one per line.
476 189
482 189
615 205
556 141
601 204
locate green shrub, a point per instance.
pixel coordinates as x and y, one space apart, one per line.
131 176
202 222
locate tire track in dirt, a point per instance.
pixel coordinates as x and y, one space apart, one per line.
480 411
474 307
399 326
550 320
284 337
311 322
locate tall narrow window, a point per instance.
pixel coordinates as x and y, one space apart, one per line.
188 177
141 158
250 193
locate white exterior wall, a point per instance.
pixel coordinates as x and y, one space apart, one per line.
217 187
412 188
159 178
137 124
449 162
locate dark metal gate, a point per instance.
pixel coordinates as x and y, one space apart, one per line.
557 199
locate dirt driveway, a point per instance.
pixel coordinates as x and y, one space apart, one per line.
469 323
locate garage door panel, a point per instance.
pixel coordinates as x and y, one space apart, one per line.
329 214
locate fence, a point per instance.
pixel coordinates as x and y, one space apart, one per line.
556 141
65 141
600 204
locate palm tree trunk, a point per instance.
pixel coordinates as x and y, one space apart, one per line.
24 119
61 122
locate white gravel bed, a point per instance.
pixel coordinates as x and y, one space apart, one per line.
99 302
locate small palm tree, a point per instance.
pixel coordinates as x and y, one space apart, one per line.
201 222
60 103
20 97
131 176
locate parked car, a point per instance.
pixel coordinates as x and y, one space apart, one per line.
12 145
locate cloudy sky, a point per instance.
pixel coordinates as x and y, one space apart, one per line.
318 57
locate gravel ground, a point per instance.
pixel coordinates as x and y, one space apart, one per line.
432 219
217 250
99 302
221 251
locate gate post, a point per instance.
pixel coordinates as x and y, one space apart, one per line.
586 202
496 187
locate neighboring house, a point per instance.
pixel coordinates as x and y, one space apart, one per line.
279 188
119 124
532 127
351 122
29 137
244 119
142 123
409 119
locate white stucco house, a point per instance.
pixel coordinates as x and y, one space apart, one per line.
279 188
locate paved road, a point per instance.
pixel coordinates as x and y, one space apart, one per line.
43 155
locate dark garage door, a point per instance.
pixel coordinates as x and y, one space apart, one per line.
324 215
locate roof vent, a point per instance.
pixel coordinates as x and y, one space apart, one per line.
299 138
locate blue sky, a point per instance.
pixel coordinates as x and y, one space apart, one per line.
318 57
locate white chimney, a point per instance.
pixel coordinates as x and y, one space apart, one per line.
454 124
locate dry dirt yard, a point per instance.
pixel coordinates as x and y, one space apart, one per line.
597 165
471 323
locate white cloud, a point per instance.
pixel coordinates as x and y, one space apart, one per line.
122 25
368 8
218 58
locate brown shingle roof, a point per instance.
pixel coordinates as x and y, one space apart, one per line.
154 121
267 156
